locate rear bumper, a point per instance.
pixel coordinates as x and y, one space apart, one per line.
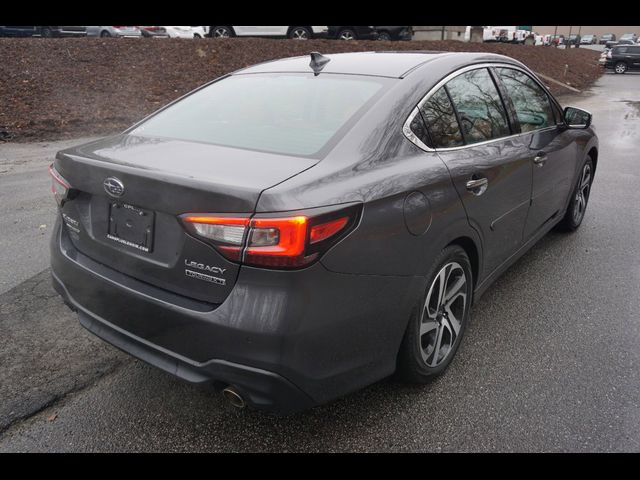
285 340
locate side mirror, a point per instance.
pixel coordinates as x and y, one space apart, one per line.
577 118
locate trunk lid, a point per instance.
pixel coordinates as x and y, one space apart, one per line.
164 178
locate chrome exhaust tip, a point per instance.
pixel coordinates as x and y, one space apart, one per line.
234 397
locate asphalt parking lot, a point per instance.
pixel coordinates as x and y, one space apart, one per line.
550 362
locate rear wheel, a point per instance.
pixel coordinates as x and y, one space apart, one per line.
347 34
46 32
300 33
620 67
384 36
579 199
105 34
436 327
221 32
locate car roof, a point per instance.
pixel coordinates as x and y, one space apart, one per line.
382 64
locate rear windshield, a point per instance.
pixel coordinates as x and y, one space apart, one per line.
296 114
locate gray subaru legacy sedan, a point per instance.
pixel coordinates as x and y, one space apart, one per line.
302 228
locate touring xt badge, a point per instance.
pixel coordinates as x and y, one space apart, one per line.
206 268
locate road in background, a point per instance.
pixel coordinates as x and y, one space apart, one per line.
550 361
27 208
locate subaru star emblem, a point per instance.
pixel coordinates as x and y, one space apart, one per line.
113 187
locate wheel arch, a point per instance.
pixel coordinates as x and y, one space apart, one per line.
472 251
593 153
303 26
212 27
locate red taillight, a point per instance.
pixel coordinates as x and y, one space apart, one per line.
278 242
59 186
281 242
326 230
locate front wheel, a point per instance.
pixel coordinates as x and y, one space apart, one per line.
221 32
384 36
620 67
436 327
579 199
46 32
300 33
347 34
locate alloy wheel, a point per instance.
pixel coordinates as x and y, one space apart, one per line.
621 68
221 32
582 195
443 314
300 34
347 35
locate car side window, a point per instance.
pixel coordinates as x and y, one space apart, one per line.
480 110
531 102
621 50
441 121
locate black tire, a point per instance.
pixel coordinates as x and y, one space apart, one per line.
105 34
300 33
46 32
620 67
222 31
415 363
347 34
577 207
384 36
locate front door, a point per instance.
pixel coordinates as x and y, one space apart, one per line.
549 148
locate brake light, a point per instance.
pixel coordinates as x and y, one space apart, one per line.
59 186
268 241
278 242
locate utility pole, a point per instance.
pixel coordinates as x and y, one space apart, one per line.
555 38
443 33
569 39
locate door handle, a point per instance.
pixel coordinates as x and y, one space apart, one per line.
477 186
540 158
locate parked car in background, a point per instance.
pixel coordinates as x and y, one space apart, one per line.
623 57
323 222
573 39
105 31
352 33
185 31
294 32
393 33
43 31
589 39
153 31
556 40
607 37
629 36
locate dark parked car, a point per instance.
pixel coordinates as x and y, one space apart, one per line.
43 31
352 33
291 255
622 58
393 33
607 37
573 39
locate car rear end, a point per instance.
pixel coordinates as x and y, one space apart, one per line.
162 248
127 31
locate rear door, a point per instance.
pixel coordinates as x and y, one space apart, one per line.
634 52
470 130
550 149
